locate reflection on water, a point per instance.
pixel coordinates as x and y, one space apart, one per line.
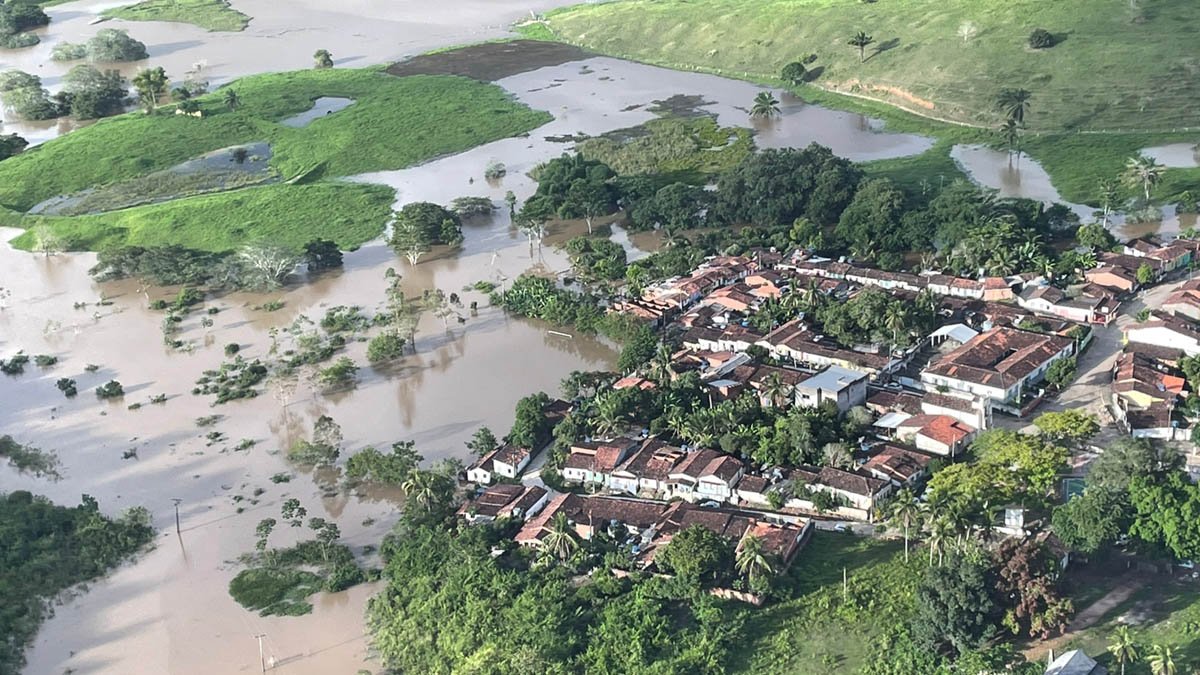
1017 176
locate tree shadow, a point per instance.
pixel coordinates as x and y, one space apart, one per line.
887 45
813 74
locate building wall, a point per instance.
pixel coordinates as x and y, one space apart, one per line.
479 476
1163 337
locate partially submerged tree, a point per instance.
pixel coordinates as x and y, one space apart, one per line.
151 85
267 265
322 59
765 105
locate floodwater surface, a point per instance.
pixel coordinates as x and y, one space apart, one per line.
1175 155
325 105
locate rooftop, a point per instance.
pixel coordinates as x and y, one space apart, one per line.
999 358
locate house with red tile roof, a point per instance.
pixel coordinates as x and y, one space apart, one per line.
1185 301
706 474
1168 331
938 434
900 465
592 462
1001 364
504 501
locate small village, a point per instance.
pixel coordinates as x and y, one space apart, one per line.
999 351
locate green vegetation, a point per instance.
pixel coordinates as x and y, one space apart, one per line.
671 146
28 459
921 64
292 215
211 15
46 549
279 581
395 122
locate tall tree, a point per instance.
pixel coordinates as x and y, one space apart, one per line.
903 511
151 85
1014 103
752 560
861 40
954 607
1143 172
559 540
232 100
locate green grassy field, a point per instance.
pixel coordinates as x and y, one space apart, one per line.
211 15
292 215
1112 68
818 631
395 123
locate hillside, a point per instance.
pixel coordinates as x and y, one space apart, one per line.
1112 67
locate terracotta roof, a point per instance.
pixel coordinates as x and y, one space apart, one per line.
535 528
899 463
847 481
511 454
941 428
633 381
1165 354
1155 416
999 358
654 460
778 540
754 484
885 400
949 402
1171 322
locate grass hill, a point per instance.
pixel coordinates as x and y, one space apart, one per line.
1115 65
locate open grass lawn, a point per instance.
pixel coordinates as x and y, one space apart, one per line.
212 15
291 215
818 631
1113 67
921 174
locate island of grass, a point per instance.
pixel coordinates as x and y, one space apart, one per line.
394 122
211 15
1109 69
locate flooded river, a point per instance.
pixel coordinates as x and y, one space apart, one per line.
170 612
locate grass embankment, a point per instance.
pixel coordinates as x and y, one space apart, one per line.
291 215
394 123
818 631
211 15
689 149
1107 72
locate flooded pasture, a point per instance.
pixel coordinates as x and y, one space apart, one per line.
325 105
170 612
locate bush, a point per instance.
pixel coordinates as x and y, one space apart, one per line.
110 44
110 389
45 360
385 347
15 365
495 170
340 374
232 349
795 72
67 386
1041 38
68 51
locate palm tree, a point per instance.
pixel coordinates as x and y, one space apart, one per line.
861 40
904 510
1144 172
1123 648
660 365
941 533
1162 661
751 559
774 390
421 487
1014 103
610 419
231 99
1110 196
560 538
896 320
765 105
1011 131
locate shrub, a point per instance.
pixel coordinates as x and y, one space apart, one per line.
795 72
110 389
110 44
340 374
495 170
1041 38
67 386
232 349
385 347
15 365
67 51
45 360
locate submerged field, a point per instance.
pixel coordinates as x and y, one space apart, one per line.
213 15
1113 67
394 122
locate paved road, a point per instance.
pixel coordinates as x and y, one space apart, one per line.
1090 391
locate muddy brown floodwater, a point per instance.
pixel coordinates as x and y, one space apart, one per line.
170 612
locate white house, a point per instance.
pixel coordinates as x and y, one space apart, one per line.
1000 364
706 474
1165 330
843 387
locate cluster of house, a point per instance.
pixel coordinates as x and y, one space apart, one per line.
647 526
1148 384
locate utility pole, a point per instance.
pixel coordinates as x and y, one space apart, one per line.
177 530
845 587
262 661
